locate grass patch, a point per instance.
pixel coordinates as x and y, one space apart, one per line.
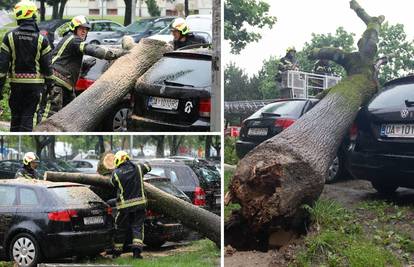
339 240
228 209
230 156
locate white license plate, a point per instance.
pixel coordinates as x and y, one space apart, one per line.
257 131
93 220
397 130
163 103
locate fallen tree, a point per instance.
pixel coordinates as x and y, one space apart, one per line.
86 111
275 180
198 219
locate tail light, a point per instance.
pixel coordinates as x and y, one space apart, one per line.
83 84
109 211
353 132
199 197
62 216
204 107
284 123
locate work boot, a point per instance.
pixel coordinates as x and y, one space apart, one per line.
136 254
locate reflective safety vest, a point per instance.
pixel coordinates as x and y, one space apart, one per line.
25 173
128 178
24 55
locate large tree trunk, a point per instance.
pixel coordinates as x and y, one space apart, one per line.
198 219
55 9
86 111
128 9
42 10
62 8
275 180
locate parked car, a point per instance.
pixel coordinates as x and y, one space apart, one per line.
273 119
8 168
175 93
140 29
42 221
198 24
48 28
185 179
100 30
381 146
85 165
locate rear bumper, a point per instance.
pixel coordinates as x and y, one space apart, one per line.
156 231
67 244
243 147
367 166
146 124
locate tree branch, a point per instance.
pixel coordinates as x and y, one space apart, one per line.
329 53
360 12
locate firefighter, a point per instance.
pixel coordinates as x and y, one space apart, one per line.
289 61
322 67
28 171
128 179
183 36
24 57
67 61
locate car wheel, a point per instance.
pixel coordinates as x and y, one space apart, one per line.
335 170
117 121
24 250
154 244
383 187
95 42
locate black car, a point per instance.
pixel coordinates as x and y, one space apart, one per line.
48 27
8 168
175 93
41 221
381 146
140 29
273 119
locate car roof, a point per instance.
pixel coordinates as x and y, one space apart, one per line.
102 20
401 80
191 51
36 183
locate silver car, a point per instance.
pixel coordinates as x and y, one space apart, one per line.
100 29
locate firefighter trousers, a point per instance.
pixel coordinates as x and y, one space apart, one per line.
23 103
129 225
59 97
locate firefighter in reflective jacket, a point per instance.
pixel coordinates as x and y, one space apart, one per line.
182 35
24 58
67 61
128 178
28 171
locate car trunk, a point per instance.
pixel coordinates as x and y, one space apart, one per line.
260 129
79 210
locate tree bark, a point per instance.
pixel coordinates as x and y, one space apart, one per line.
55 9
274 180
198 219
42 10
106 163
127 15
86 111
62 8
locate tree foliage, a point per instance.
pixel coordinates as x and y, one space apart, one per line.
7 4
153 8
240 16
238 84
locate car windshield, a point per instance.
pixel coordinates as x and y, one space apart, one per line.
167 187
181 71
66 166
180 175
165 31
282 108
393 96
138 26
209 174
75 195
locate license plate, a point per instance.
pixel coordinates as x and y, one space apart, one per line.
163 103
93 220
257 131
397 130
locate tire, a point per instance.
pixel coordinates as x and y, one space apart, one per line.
154 244
24 250
335 171
117 120
384 187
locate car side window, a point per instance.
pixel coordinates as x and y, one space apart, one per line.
157 26
115 27
102 27
7 195
28 197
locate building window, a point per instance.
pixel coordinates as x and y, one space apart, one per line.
94 11
170 12
112 11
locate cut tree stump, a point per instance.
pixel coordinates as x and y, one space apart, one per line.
87 111
274 180
195 218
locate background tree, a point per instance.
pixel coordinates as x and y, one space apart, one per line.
238 85
268 86
153 8
241 15
7 4
128 9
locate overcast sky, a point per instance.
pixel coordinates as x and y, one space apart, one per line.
298 19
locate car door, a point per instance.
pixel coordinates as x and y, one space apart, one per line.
27 203
8 198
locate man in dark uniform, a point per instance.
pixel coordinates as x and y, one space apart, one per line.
182 35
128 179
67 61
28 171
24 57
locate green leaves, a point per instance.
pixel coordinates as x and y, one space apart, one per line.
242 19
